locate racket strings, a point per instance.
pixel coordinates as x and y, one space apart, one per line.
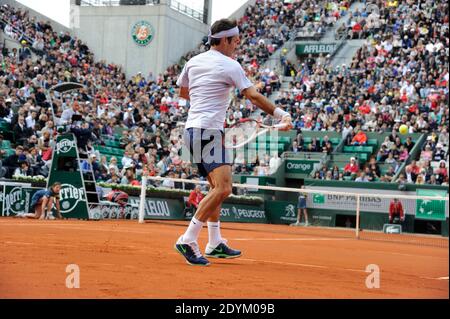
240 133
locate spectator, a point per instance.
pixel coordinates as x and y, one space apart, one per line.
352 168
427 154
391 161
21 131
420 180
195 197
439 153
12 161
410 175
295 147
441 172
23 170
396 214
360 138
409 144
389 175
91 165
362 177
403 153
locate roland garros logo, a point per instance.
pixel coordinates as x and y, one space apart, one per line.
70 196
142 33
64 146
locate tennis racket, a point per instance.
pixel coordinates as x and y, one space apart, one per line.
246 130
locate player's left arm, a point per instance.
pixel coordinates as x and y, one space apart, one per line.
183 83
184 93
264 104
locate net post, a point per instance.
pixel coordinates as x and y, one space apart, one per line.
358 206
142 199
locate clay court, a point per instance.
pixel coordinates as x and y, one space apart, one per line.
124 259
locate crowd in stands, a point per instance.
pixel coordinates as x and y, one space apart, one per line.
399 76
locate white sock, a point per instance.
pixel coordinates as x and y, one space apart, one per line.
214 234
191 234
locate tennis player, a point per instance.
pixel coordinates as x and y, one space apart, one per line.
206 81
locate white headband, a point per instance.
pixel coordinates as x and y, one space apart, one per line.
223 34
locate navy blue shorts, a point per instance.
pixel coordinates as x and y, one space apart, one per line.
206 148
301 204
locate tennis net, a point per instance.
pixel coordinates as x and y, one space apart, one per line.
414 218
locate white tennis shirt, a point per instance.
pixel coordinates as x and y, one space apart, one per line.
210 77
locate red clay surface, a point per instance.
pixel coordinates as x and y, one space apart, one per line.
124 259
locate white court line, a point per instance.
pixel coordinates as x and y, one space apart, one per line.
431 278
288 239
299 265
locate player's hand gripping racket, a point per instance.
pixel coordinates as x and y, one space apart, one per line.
246 130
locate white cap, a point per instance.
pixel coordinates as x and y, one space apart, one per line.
352 159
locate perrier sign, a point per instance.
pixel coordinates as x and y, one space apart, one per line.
66 170
430 209
12 200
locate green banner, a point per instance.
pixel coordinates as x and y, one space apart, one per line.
315 48
66 170
15 198
13 202
28 193
242 214
294 166
430 209
160 208
282 212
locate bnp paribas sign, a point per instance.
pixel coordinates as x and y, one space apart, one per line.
66 170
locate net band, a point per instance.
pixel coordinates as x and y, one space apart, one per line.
298 190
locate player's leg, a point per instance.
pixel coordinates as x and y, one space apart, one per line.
187 244
210 205
217 246
305 212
